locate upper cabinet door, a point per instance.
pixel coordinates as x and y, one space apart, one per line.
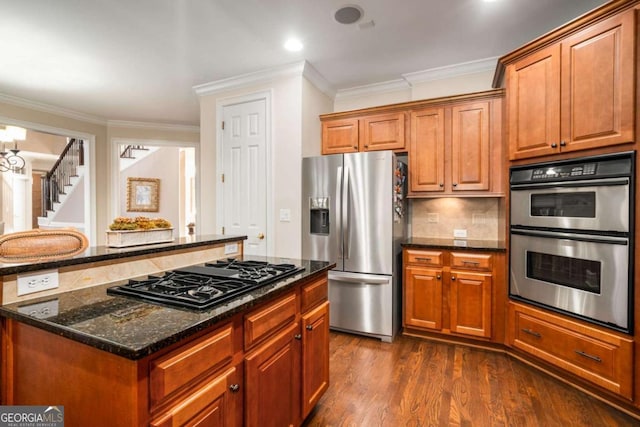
340 136
533 100
383 132
470 147
426 161
598 84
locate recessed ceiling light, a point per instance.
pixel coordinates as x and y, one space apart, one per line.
348 14
293 45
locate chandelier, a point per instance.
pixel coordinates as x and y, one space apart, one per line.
10 160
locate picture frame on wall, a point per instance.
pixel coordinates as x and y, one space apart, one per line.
143 194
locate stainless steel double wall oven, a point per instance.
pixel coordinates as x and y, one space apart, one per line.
571 237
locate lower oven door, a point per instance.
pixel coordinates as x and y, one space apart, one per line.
582 275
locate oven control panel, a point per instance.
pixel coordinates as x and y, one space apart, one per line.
564 171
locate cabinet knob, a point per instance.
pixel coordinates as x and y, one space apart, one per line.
438 277
554 145
441 184
298 336
355 147
455 184
309 327
366 146
234 388
453 277
563 144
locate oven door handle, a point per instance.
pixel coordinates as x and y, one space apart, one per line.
572 184
613 240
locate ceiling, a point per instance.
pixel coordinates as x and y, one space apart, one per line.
139 60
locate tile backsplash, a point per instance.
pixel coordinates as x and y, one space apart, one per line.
482 218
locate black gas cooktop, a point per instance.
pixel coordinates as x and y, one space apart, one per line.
204 286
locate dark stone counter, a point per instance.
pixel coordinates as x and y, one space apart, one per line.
134 329
455 244
105 253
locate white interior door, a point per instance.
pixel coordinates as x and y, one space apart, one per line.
244 171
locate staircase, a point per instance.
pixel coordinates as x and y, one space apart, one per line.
131 154
59 184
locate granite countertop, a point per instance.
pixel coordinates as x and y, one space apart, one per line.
105 253
458 244
132 328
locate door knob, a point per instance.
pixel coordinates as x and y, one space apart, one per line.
261 236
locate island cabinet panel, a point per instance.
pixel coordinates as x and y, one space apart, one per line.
96 388
364 132
602 358
453 292
315 356
217 403
176 369
575 94
261 323
272 373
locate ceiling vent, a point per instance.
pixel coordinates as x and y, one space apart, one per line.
348 14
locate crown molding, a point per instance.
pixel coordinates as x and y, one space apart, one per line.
439 73
150 125
51 109
302 68
311 74
375 88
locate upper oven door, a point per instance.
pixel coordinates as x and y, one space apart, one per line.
599 205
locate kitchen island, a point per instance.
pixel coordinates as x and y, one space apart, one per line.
113 360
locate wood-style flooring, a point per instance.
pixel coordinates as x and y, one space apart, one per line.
416 382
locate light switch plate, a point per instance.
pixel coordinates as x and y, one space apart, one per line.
433 218
285 215
460 232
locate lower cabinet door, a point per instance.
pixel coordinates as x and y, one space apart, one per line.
423 297
217 403
470 303
315 356
272 378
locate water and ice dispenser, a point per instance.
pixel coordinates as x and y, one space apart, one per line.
319 215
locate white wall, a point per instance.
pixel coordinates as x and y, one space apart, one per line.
314 103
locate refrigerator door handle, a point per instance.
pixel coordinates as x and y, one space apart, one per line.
339 209
346 224
368 280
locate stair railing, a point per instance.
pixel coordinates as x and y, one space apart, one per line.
55 181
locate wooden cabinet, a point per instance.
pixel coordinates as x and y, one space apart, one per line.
448 291
367 132
315 356
455 149
602 358
575 94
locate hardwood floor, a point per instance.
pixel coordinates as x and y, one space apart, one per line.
416 382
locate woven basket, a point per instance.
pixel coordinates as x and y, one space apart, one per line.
41 245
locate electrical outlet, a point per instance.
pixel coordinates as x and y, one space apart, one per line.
460 232
433 218
36 282
230 248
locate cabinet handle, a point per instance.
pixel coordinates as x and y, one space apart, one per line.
422 259
554 145
530 332
438 277
309 327
234 388
298 336
589 356
471 262
563 144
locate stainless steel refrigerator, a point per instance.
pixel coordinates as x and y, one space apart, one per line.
353 214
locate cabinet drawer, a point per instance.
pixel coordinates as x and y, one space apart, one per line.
171 371
431 258
604 359
263 322
314 293
471 261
